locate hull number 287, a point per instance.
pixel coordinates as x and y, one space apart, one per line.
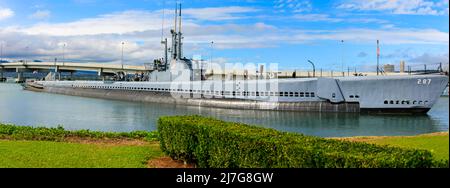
423 81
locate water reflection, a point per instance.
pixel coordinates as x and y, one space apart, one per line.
332 124
31 108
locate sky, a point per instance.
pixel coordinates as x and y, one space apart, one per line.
335 35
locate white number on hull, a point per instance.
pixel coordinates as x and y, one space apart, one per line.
423 81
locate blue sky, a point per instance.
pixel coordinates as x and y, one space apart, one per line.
288 32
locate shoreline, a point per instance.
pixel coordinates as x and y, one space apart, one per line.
363 138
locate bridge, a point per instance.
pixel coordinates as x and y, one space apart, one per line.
102 69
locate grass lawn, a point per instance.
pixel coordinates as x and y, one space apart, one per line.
47 154
437 143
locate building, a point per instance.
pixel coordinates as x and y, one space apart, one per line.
389 68
402 66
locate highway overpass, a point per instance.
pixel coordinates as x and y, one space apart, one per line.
103 69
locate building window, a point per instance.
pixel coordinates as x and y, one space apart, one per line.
351 96
386 102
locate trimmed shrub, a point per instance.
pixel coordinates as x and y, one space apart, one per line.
212 143
60 134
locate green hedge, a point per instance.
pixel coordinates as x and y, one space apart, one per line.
60 134
212 143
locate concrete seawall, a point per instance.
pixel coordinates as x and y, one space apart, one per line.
158 97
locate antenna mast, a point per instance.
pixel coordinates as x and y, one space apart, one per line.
180 37
174 35
163 20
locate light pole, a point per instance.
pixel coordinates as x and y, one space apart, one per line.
121 60
314 68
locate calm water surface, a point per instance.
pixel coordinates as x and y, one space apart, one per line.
43 109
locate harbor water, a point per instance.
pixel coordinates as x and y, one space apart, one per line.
22 107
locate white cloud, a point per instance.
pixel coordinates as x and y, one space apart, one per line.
116 23
99 39
387 36
328 18
419 7
41 14
218 13
296 6
429 58
6 13
317 18
133 21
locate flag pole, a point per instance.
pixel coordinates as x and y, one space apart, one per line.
378 57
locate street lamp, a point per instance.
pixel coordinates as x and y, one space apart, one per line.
314 68
121 60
